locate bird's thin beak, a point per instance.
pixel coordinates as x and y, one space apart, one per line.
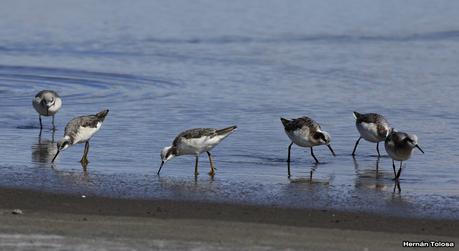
161 166
331 150
417 146
55 156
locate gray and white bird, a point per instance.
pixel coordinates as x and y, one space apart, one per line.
399 146
305 132
80 130
372 127
194 142
47 103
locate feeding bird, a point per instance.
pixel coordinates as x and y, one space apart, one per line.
305 132
47 103
194 142
372 127
399 146
80 130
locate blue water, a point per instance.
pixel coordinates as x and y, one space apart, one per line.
163 67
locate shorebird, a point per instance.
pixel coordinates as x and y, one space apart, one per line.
194 142
305 132
372 127
399 146
80 130
47 103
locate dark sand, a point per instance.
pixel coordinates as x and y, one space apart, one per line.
66 222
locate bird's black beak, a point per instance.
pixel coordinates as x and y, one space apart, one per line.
417 146
331 150
55 156
161 166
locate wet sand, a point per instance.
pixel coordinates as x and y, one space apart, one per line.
66 222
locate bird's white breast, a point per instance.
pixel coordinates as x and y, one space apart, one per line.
56 107
300 137
369 131
195 146
36 102
85 133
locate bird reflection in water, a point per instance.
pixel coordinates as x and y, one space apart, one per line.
43 151
303 180
370 177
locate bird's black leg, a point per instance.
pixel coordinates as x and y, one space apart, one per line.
54 127
196 166
39 137
355 147
84 159
399 171
377 149
41 125
393 166
212 168
397 185
288 159
312 153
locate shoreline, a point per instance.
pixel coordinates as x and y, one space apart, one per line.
30 201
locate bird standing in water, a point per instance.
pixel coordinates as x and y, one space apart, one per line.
305 132
399 146
80 130
47 103
194 142
372 127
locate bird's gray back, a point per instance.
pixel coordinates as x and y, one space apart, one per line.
371 118
299 123
398 138
194 133
41 93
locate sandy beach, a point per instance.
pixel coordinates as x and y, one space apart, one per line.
66 222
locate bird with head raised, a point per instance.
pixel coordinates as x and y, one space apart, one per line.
372 127
305 132
194 142
80 130
47 103
399 146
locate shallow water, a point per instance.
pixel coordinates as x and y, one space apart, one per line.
163 68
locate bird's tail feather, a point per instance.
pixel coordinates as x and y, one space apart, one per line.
226 130
284 121
101 115
357 115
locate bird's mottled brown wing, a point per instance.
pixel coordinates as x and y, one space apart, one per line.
71 129
381 122
371 118
299 123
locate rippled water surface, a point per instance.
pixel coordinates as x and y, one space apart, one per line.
168 66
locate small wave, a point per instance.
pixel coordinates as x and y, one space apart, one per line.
81 85
292 38
114 48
